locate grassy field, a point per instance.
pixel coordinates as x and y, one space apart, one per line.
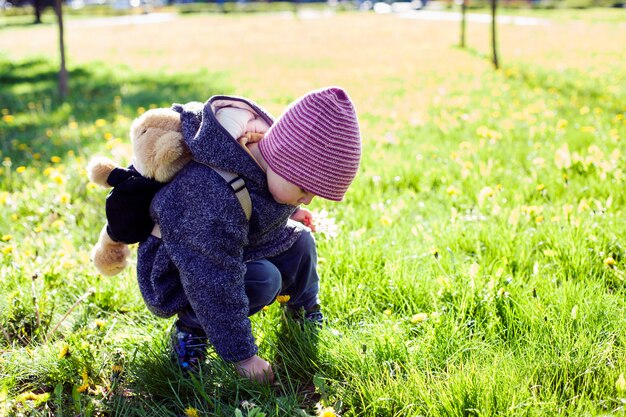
476 268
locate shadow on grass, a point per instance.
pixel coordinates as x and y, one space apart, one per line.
34 116
153 384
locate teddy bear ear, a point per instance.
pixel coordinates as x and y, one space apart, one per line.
98 170
162 118
170 157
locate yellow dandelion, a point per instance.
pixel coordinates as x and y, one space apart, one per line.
58 178
100 323
73 125
266 308
561 124
70 153
584 110
327 412
387 312
8 118
108 136
20 169
610 262
452 190
58 224
191 412
282 299
100 122
38 399
64 198
65 349
84 387
117 369
55 159
541 187
141 110
7 250
6 238
38 229
539 219
419 318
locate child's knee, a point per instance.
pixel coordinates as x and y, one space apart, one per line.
306 244
263 283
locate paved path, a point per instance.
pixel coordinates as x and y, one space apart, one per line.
382 8
131 19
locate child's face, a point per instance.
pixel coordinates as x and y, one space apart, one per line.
285 192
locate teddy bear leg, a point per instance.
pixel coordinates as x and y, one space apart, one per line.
110 257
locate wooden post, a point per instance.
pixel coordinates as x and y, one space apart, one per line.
63 89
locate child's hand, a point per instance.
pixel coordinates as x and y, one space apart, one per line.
251 137
255 369
305 217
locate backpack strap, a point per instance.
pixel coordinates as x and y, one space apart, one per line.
239 188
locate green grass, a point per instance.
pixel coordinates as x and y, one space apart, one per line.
479 269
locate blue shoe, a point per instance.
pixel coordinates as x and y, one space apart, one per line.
188 347
313 316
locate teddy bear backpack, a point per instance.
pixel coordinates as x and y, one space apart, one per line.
157 133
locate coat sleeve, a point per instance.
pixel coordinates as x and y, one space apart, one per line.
204 231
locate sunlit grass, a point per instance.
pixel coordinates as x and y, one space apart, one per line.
477 266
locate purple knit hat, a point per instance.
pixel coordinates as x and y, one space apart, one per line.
315 144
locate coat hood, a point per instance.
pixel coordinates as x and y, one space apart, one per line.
210 143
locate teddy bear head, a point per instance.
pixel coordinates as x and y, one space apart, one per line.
159 151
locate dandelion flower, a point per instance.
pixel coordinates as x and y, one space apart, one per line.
6 238
7 250
610 262
73 125
452 190
327 412
191 412
8 118
83 387
100 122
100 323
266 308
282 299
64 198
20 169
419 318
65 349
385 221
55 159
387 312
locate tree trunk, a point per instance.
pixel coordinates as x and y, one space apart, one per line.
463 13
63 89
494 41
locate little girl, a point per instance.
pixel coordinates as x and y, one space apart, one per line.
210 265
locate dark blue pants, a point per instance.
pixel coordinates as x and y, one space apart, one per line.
292 273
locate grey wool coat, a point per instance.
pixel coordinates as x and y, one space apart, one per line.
206 239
